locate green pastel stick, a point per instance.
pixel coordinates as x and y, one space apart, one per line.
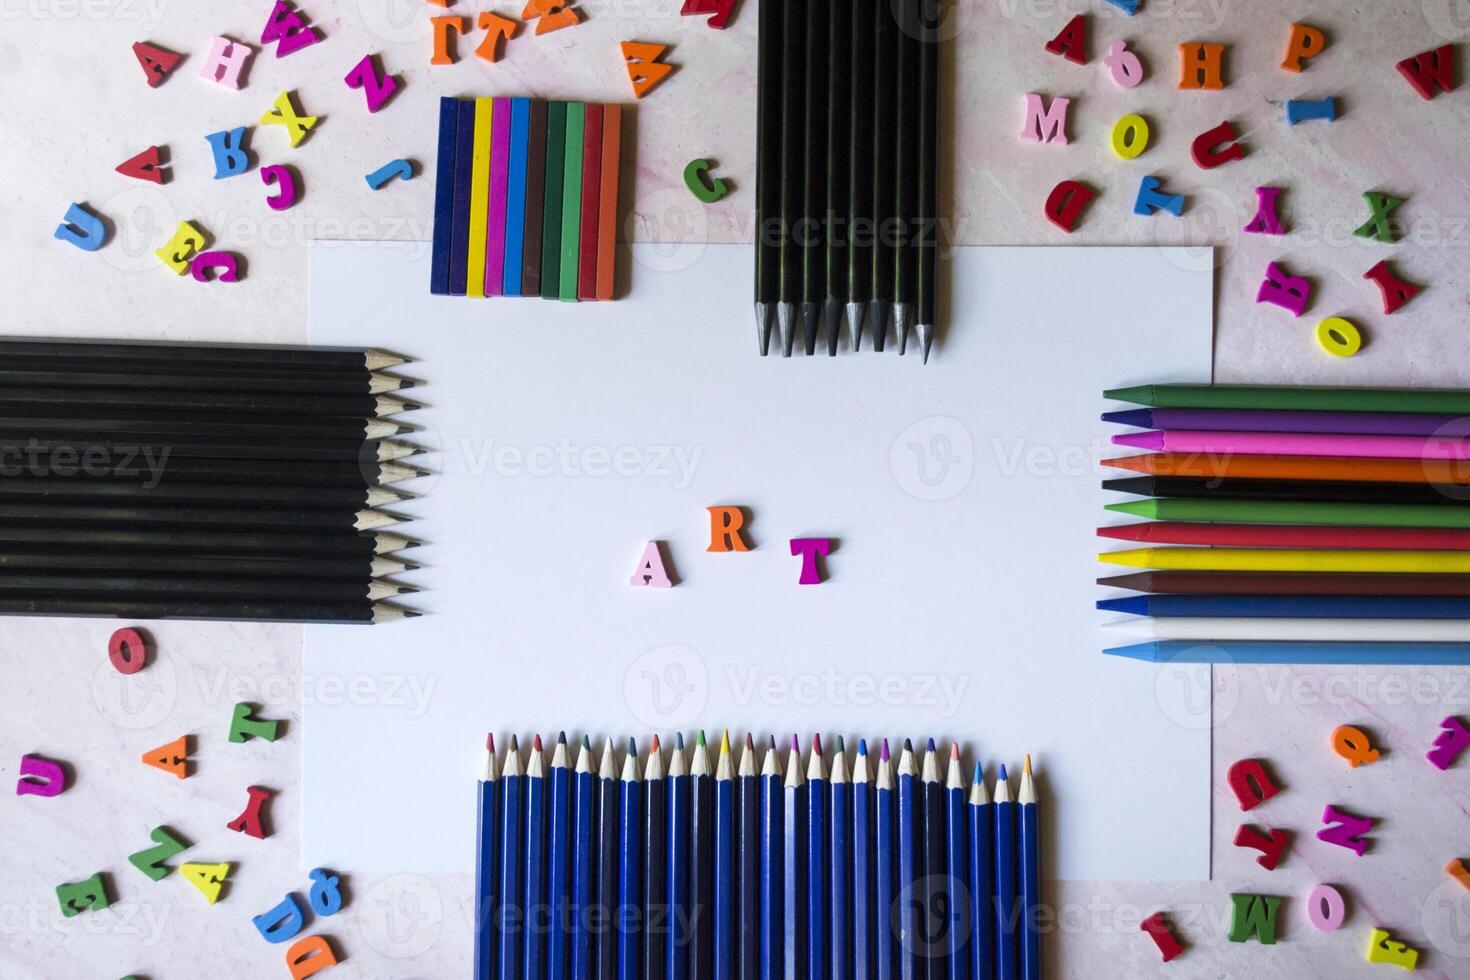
571 201
1294 512
556 142
1296 398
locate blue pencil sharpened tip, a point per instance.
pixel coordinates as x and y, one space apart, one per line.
908 745
1136 605
979 772
1002 772
561 738
1140 418
931 745
862 746
633 746
1136 651
679 740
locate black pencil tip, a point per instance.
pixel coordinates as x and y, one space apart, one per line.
811 322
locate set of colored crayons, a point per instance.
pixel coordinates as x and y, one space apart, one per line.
1307 524
162 481
526 199
716 868
847 169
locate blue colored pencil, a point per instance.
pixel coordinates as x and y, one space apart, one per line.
629 914
885 873
459 234
486 866
773 875
701 861
655 865
605 867
982 878
1007 953
957 863
748 883
558 862
794 962
725 853
1030 876
512 853
935 933
863 964
444 195
534 958
676 945
1293 606
515 198
1303 652
909 871
584 830
839 867
817 925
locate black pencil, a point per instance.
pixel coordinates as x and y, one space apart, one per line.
327 565
162 379
335 406
20 490
343 541
769 228
283 357
906 207
839 163
284 425
1328 491
359 378
218 518
656 923
860 174
150 467
793 176
818 226
886 111
159 444
12 604
701 862
188 587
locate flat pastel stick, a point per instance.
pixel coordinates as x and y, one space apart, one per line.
515 195
591 203
1297 444
607 218
535 199
1260 420
571 201
443 196
499 181
479 198
551 225
459 235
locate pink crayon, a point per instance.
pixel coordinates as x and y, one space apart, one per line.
1295 444
499 174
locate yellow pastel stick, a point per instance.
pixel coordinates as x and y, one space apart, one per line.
479 198
1290 560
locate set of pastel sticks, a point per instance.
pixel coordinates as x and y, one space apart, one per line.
186 481
1320 524
738 864
526 199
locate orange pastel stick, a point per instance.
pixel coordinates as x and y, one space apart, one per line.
607 221
1358 468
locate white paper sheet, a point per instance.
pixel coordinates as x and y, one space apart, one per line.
962 497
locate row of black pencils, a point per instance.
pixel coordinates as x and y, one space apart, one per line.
847 170
157 481
720 866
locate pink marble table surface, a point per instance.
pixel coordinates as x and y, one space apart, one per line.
74 105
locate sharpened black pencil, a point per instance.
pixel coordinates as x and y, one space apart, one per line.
333 406
145 466
860 175
219 518
927 237
906 171
839 164
305 358
769 227
132 587
17 604
817 229
21 490
284 425
163 445
793 176
160 379
886 110
323 565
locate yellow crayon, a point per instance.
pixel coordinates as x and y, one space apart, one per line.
1290 560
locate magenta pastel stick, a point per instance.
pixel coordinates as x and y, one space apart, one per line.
1296 444
495 228
1265 420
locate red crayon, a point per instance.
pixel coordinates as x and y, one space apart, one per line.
591 202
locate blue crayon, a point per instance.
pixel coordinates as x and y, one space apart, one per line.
515 199
444 196
1296 652
459 234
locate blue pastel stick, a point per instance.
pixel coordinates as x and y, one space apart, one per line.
725 854
1007 915
957 864
885 875
676 949
863 963
444 195
515 199
909 873
558 862
1293 606
459 235
794 962
1030 861
487 867
512 854
748 880
817 884
1307 652
773 875
605 867
583 830
627 918
535 858
981 878
839 866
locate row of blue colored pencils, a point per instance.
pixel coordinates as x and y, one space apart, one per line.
702 867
